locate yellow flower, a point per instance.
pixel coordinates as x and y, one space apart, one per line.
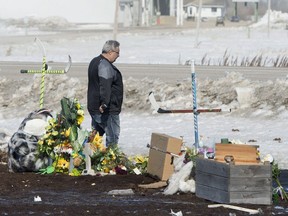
62 164
111 152
77 105
52 121
97 138
139 159
99 146
48 127
104 162
50 141
55 133
80 112
67 132
80 119
97 142
40 142
106 170
46 136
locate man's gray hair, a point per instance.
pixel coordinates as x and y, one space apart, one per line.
110 45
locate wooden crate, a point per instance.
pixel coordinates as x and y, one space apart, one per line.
242 154
230 183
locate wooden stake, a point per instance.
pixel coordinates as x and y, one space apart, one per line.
250 211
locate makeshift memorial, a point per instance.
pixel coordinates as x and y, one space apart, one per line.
72 149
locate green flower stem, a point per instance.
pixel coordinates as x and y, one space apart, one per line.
283 192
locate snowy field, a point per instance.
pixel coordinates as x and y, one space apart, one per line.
260 108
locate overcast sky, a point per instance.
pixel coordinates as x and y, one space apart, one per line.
91 11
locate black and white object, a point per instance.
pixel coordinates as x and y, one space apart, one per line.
23 145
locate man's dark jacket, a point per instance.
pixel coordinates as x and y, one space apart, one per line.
105 87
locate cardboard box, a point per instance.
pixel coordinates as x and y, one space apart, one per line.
242 153
160 164
230 183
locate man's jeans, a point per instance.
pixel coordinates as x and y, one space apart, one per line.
108 124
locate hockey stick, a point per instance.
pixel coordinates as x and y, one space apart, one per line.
166 152
194 88
44 70
48 71
156 107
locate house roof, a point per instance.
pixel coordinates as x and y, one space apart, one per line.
205 2
125 1
203 6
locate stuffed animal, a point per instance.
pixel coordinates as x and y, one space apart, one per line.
23 145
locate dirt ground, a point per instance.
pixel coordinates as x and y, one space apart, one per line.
88 195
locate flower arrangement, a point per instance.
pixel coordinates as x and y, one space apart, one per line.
64 143
63 136
140 162
112 160
279 191
106 160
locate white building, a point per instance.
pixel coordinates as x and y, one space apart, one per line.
208 11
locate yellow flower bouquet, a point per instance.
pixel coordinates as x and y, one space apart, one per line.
64 136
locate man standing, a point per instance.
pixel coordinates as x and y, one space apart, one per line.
105 92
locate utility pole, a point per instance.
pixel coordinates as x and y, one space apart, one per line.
143 13
198 22
179 13
268 24
256 14
115 28
158 13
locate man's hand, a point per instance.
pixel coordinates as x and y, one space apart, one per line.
102 108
